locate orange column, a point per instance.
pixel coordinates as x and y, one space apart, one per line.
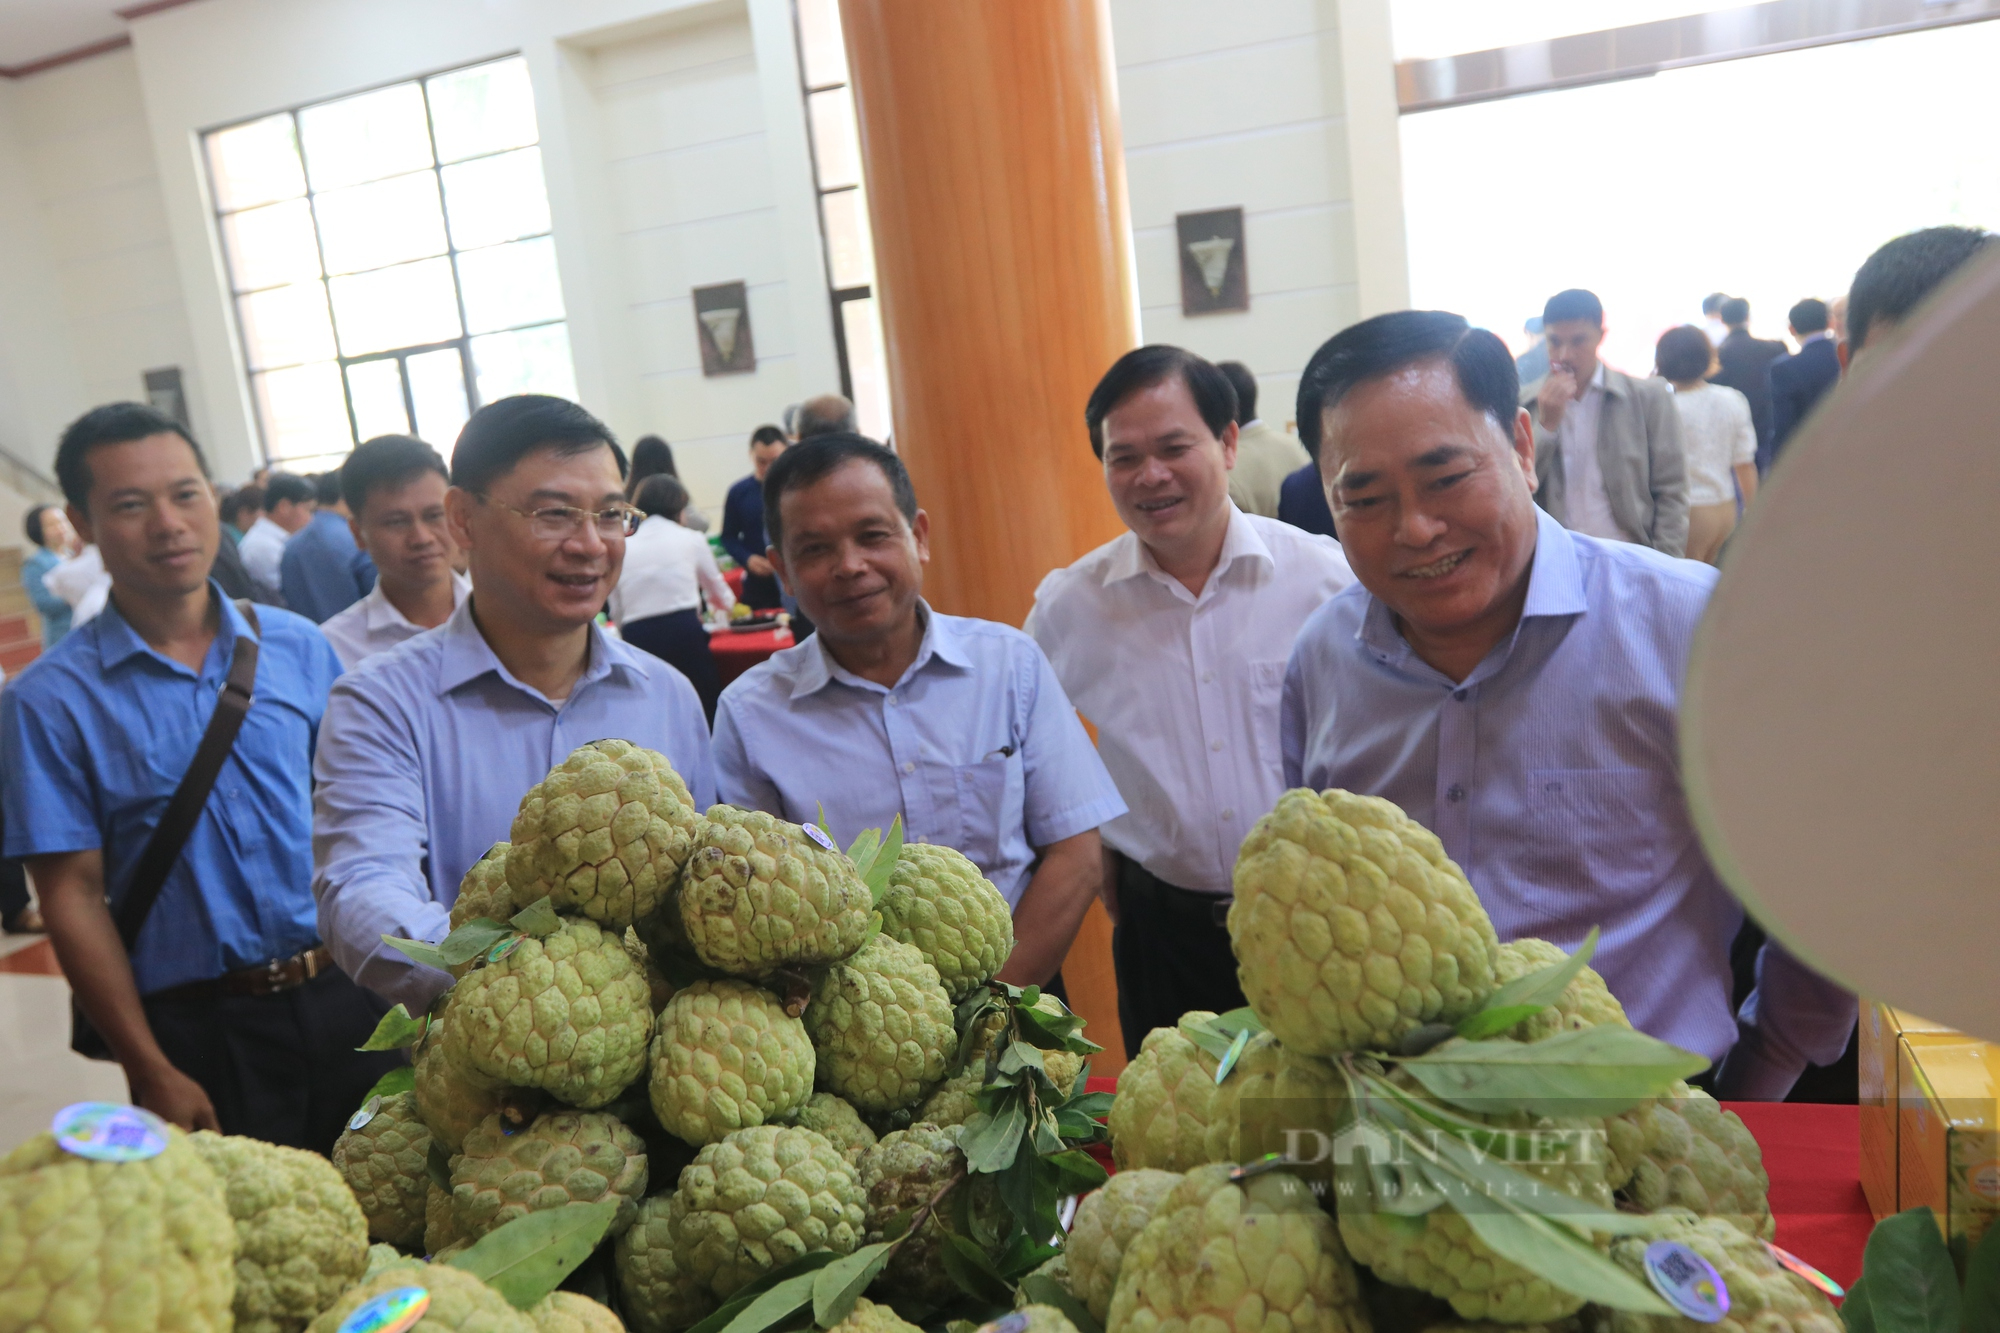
996 189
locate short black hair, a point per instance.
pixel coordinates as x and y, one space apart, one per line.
1734 311
1898 277
1245 384
326 488
113 423
383 464
768 435
247 496
812 461
1713 302
31 526
502 433
1683 354
661 495
1808 316
828 414
1156 363
1573 303
282 486
1385 344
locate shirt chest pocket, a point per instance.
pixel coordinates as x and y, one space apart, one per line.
1596 830
989 796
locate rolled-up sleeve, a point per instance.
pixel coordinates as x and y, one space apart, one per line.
1067 788
370 839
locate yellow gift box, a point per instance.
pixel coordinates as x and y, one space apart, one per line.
1882 1032
1948 1146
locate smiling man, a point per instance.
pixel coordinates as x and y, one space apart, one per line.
428 748
957 725
1189 615
1515 687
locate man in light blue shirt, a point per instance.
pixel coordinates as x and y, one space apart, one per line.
1514 686
428 748
957 725
324 570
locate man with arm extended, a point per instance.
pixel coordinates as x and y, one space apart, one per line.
958 725
394 486
1515 686
1190 616
428 748
227 1013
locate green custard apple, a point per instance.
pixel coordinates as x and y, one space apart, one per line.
759 894
760 1198
383 1163
301 1237
939 902
727 1056
881 1025
568 1157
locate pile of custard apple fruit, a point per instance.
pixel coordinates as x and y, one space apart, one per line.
691 1060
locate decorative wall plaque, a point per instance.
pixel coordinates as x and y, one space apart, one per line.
1215 273
163 391
722 326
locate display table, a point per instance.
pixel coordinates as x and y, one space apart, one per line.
736 653
1813 1156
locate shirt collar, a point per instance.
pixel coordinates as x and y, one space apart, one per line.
1131 558
1823 335
942 641
382 614
265 523
118 642
467 656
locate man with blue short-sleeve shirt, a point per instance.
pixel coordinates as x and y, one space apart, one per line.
1515 687
957 725
429 747
227 1014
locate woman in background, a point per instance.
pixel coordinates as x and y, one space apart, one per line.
54 541
657 602
1717 435
654 457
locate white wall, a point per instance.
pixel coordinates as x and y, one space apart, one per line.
1252 106
90 295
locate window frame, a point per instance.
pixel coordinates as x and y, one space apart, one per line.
837 297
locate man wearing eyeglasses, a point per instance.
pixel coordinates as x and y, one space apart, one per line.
427 749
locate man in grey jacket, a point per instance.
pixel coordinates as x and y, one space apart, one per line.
1607 446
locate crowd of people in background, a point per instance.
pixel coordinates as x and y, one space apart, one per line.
1468 584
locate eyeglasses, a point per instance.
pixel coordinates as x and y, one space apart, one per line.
555 523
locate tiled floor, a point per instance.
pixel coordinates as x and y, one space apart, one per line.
39 1074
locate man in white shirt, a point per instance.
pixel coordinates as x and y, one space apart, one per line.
288 506
394 487
1173 640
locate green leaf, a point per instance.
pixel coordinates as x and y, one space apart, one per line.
403 1078
1912 1285
1018 1056
773 1307
968 1266
1599 1071
862 850
836 1285
527 1258
1030 1188
1053 1032
538 918
416 951
1854 1311
1563 1258
396 1030
1216 1035
1491 1022
991 1139
1043 1290
1082 1174
881 857
473 938
808 1263
1540 988
437 1165
1980 1311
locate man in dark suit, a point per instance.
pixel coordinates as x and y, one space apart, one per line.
1798 381
1302 502
1744 360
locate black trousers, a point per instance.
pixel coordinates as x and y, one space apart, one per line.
762 591
282 1067
1171 952
678 638
13 891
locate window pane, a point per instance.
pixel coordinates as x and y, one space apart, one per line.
376 390
366 138
528 361
867 366
820 47
403 306
372 226
494 199
255 164
437 384
271 245
285 326
510 285
302 411
483 109
836 145
848 244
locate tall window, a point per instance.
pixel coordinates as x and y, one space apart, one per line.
843 213
390 261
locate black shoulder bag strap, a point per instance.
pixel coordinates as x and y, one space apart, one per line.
163 849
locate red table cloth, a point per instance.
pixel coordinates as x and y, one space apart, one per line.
736 653
1813 1156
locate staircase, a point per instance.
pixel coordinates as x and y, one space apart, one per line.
20 627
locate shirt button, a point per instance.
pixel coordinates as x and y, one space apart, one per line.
1458 695
892 701
1454 792
1207 676
909 768
1229 814
1215 745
